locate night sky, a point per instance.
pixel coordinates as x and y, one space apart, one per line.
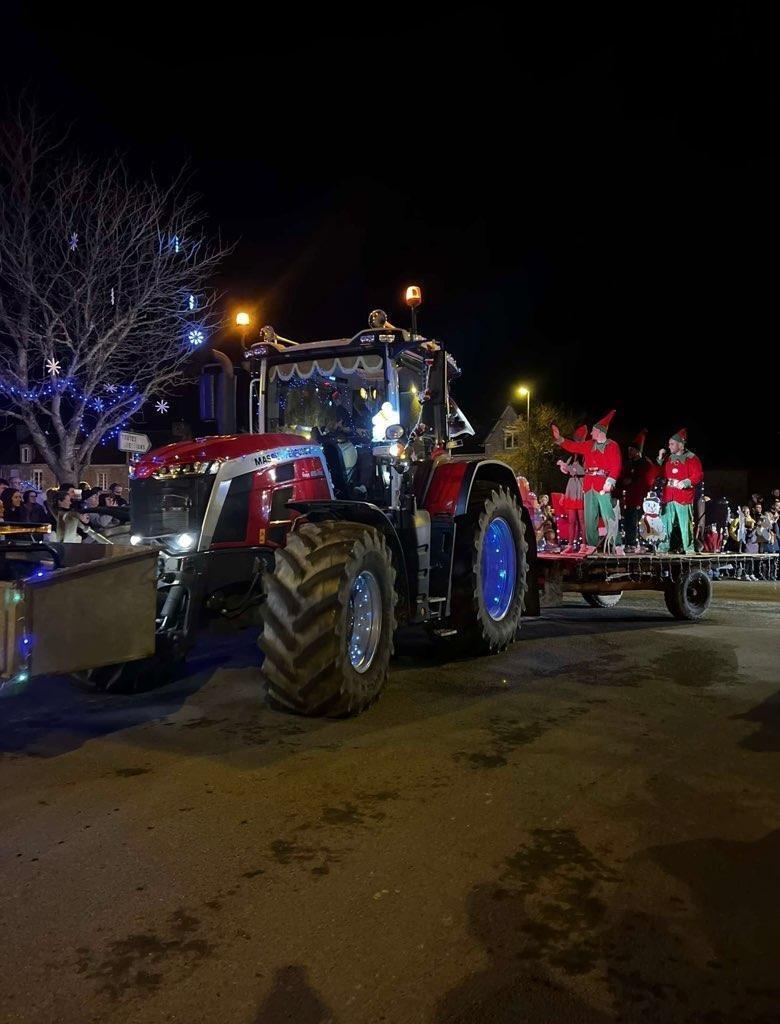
591 207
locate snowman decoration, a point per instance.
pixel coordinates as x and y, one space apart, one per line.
651 525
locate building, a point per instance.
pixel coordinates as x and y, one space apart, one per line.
505 435
20 460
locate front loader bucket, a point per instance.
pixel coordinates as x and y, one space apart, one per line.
84 616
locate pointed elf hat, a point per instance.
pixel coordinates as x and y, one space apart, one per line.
681 435
581 433
604 422
639 440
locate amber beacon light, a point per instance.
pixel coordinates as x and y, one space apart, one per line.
413 296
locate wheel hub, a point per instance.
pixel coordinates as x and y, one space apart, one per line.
499 568
364 621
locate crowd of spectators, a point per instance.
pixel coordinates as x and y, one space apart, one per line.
76 515
754 528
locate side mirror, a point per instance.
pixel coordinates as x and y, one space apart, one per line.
394 432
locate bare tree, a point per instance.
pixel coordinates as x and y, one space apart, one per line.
103 292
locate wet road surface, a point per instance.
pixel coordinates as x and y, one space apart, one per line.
585 828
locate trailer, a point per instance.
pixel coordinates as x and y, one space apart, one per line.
685 580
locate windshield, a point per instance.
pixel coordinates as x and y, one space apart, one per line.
348 395
159 508
333 395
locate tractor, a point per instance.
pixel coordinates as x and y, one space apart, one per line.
343 513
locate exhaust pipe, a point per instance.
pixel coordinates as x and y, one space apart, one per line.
226 395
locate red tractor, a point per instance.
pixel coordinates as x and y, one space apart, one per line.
343 512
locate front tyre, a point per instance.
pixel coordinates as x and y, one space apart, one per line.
132 676
328 620
490 575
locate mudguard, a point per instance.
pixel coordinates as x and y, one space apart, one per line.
449 491
361 512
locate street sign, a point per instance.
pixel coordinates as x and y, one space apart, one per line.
134 442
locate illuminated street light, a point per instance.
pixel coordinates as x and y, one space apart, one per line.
242 319
525 393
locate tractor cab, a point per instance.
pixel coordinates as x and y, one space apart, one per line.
377 403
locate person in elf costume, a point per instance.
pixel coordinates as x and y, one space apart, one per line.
682 472
602 471
638 478
572 502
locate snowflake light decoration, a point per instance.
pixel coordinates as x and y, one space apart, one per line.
162 406
73 241
53 367
195 336
113 299
192 302
111 388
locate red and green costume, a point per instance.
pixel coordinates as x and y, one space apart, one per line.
602 469
681 474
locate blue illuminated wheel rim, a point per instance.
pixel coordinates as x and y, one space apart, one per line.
499 568
364 621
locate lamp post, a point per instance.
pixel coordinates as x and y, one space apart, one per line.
525 393
243 320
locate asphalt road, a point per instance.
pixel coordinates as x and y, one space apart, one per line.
585 828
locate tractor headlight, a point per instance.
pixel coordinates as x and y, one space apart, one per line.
136 539
184 541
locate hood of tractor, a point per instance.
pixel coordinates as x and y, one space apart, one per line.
212 449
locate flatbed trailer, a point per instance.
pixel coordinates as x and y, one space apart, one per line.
685 580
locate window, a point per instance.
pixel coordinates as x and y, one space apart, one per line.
25 453
510 439
37 479
102 481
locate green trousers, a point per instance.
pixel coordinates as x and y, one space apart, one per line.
682 513
596 506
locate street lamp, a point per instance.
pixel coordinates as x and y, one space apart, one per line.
525 393
243 320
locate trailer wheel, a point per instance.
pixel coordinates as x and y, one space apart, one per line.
603 600
490 575
328 620
689 596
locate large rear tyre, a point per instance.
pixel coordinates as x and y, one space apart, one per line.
490 575
602 600
328 620
689 596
